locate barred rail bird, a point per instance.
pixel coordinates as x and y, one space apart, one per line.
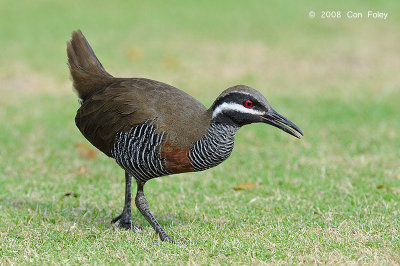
152 129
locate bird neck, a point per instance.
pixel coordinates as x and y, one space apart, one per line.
214 147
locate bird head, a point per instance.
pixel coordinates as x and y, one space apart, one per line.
241 105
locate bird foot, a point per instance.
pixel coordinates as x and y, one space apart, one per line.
125 222
167 239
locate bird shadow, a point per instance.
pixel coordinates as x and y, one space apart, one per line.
60 210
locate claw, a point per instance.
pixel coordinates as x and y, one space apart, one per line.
113 221
126 223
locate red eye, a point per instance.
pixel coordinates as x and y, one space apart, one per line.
248 104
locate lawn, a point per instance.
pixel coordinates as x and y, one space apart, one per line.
331 197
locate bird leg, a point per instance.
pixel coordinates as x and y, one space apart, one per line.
125 218
143 206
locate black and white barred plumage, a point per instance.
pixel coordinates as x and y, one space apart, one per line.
137 152
213 148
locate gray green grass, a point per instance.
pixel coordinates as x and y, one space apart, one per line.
332 197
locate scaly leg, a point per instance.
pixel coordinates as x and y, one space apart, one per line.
125 218
143 206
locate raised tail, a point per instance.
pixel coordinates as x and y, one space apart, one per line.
86 70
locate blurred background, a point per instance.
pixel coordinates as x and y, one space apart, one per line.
336 78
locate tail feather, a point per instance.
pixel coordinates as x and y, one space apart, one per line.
86 70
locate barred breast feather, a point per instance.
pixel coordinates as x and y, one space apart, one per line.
137 152
145 154
214 148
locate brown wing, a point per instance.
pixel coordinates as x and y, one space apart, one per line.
130 102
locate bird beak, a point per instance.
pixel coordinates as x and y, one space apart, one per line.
279 121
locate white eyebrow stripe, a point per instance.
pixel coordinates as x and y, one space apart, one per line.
234 107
